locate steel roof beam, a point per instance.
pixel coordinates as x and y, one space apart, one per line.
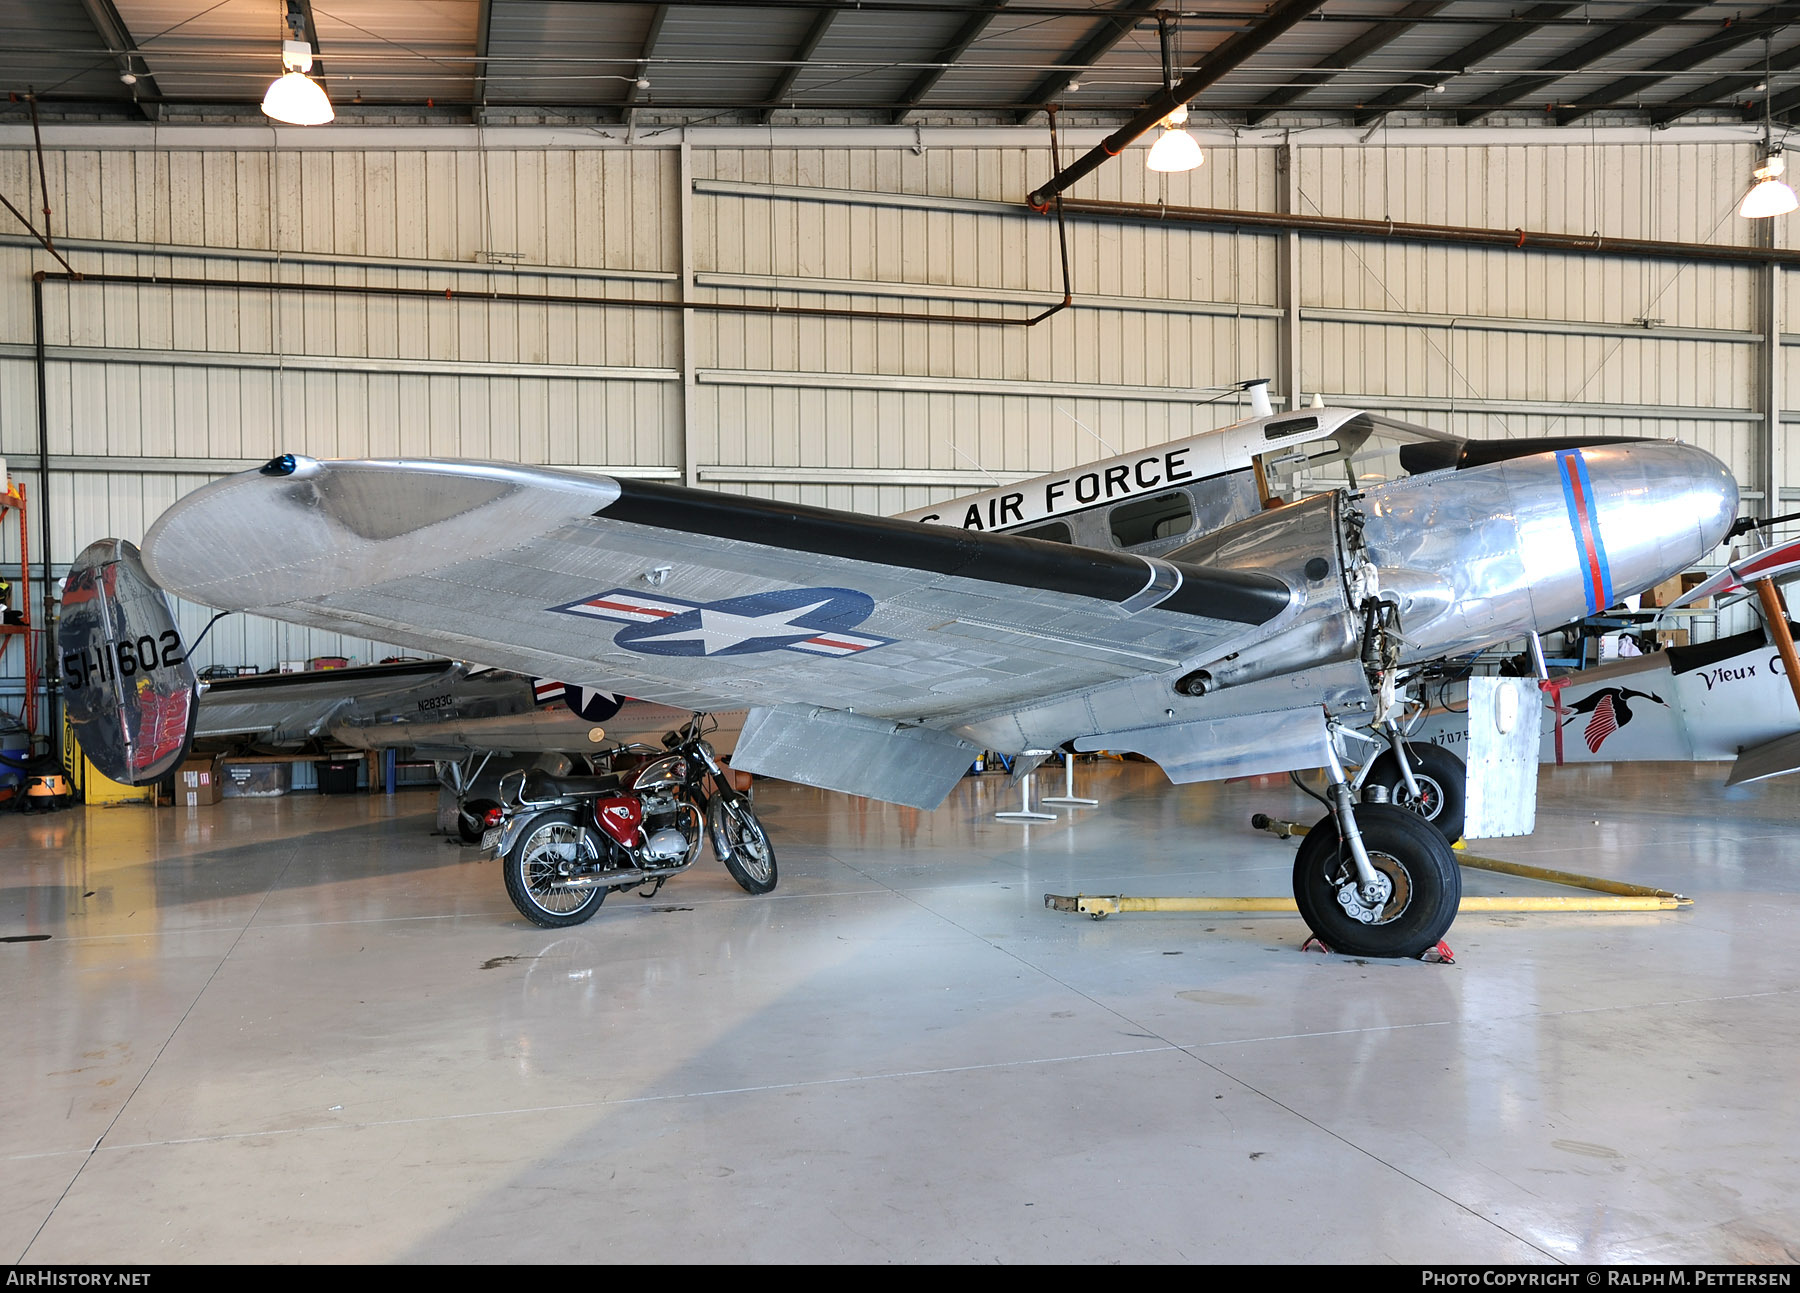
1714 94
1231 53
1780 106
1625 89
791 73
484 28
1575 60
1486 45
966 36
116 36
1116 27
1342 61
629 104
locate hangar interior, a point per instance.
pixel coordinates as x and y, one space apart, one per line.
784 251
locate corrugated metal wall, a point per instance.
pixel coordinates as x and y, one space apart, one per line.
153 389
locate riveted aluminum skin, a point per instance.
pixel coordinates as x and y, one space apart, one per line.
1484 553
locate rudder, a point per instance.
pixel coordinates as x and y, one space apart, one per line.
128 686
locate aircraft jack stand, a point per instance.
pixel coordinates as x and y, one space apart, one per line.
1068 795
1619 896
1024 813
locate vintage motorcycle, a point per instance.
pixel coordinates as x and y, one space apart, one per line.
565 842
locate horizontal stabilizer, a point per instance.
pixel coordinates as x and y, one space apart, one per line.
1770 759
128 686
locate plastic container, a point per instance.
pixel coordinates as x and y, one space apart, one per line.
259 780
337 776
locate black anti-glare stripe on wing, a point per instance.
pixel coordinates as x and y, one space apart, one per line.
1240 597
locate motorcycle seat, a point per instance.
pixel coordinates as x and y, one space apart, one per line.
544 785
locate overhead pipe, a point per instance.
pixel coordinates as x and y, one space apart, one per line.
569 298
550 298
1403 231
32 230
1231 54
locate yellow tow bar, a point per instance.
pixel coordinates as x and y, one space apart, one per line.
1618 895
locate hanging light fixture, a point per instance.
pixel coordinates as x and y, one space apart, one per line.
295 97
1174 149
1768 196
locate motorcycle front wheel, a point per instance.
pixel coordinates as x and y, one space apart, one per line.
552 849
739 840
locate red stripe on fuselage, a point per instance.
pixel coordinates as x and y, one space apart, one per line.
1586 532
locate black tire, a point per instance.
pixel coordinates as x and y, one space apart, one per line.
550 844
741 843
1427 884
471 820
1442 780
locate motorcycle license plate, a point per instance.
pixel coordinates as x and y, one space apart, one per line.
490 839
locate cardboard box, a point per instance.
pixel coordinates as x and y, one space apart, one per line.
1670 590
197 782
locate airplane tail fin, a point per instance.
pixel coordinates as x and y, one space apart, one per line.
128 686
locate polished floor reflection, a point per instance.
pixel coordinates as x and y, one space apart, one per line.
307 1030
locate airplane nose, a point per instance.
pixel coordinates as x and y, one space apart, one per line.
1714 496
1693 484
1659 507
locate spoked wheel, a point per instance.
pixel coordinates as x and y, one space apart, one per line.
742 845
1420 885
553 849
1442 782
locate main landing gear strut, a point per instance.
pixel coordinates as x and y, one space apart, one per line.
1375 879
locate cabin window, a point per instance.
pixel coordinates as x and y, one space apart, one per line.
1054 532
1166 516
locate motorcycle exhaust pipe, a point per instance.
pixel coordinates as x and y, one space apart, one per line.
615 879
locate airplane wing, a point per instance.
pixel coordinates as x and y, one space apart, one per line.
692 598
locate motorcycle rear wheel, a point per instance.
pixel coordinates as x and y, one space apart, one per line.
741 844
551 848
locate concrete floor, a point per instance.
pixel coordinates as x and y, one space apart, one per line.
306 1030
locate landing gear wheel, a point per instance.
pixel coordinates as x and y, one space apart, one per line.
550 849
1442 782
1420 890
471 820
741 844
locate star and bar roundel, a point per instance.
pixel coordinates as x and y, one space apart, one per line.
812 621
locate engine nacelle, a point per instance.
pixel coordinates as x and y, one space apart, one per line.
1312 547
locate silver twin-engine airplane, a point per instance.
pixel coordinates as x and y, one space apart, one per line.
1224 605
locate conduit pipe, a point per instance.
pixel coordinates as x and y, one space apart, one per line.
1402 231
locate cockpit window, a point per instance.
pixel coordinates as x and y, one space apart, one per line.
1366 450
